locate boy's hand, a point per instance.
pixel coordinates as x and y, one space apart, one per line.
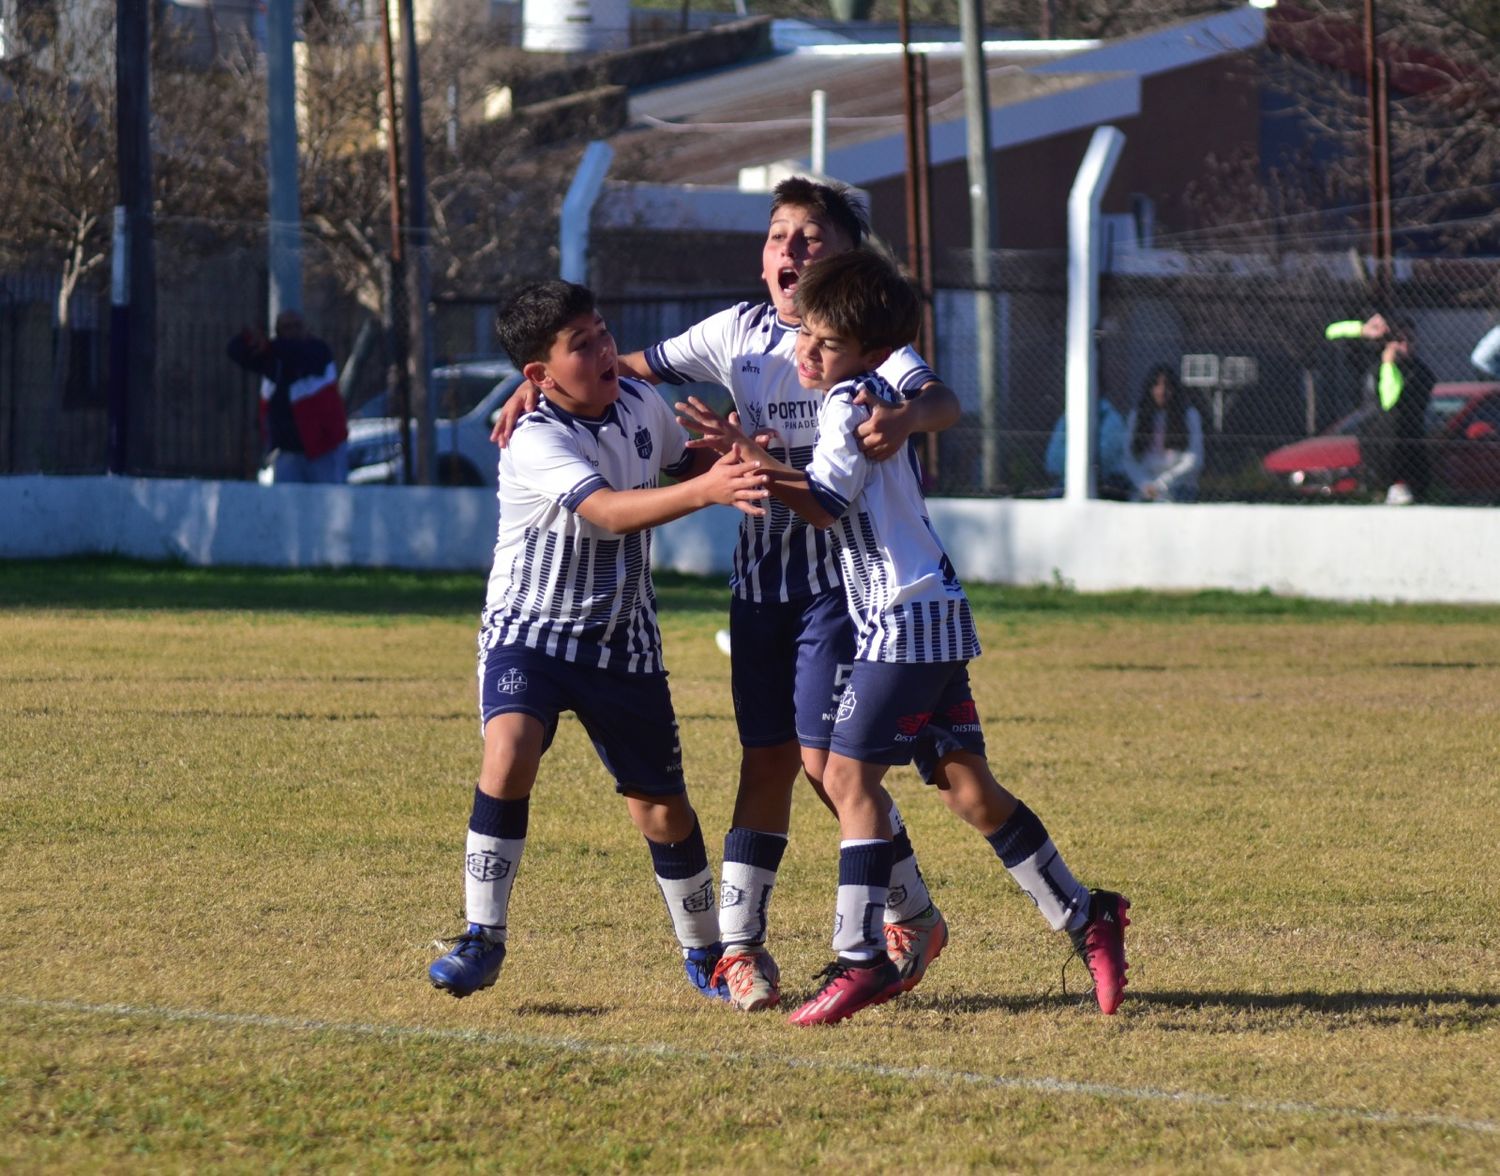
717 434
1375 327
735 481
886 432
523 400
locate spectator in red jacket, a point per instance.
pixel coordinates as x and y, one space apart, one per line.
301 411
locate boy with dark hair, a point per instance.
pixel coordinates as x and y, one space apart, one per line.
788 619
908 697
570 623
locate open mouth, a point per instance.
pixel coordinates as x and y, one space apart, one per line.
786 279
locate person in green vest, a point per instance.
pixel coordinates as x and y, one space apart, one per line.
1393 443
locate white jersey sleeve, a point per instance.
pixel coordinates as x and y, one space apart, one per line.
704 353
906 600
906 371
550 461
838 471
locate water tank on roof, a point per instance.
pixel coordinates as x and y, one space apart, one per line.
574 26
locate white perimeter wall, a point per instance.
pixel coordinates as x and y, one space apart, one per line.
1409 553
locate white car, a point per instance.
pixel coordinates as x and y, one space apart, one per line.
469 396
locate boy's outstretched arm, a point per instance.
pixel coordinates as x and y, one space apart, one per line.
933 409
732 480
634 364
715 433
793 490
787 484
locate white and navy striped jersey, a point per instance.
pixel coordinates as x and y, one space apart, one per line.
751 352
904 596
560 584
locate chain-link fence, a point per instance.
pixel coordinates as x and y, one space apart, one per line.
1284 414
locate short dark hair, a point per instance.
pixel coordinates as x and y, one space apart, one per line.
529 322
861 295
837 202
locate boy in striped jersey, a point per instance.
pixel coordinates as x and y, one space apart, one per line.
570 621
788 616
908 697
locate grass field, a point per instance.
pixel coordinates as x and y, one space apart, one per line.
231 817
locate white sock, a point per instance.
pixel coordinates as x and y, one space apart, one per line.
864 875
1045 877
908 896
690 903
489 873
751 859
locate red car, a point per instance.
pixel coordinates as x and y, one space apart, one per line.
1463 426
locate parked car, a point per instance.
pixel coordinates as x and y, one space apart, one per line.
469 394
1463 427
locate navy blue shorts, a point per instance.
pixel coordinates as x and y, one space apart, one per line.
891 713
788 662
628 717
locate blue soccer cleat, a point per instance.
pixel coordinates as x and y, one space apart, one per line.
473 964
700 963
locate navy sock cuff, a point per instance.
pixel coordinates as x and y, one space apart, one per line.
492 817
865 865
1020 837
751 847
901 847
677 860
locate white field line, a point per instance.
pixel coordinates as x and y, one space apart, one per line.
927 1074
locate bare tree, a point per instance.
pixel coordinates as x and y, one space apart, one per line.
1443 67
57 164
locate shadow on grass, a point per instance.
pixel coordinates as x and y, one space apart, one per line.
558 1009
107 582
1450 1009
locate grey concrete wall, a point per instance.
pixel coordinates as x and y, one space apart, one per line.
1410 553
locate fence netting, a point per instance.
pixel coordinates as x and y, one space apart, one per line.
1243 336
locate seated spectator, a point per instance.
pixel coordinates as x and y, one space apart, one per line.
1164 453
1111 479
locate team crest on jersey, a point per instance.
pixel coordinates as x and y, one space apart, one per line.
512 682
700 900
643 442
730 896
754 418
847 703
487 866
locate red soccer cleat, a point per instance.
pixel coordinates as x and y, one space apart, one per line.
1101 944
847 988
914 944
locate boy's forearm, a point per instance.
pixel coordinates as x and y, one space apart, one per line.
791 488
634 364
627 511
936 409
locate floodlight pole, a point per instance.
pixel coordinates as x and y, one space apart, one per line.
982 234
133 285
1377 112
397 275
